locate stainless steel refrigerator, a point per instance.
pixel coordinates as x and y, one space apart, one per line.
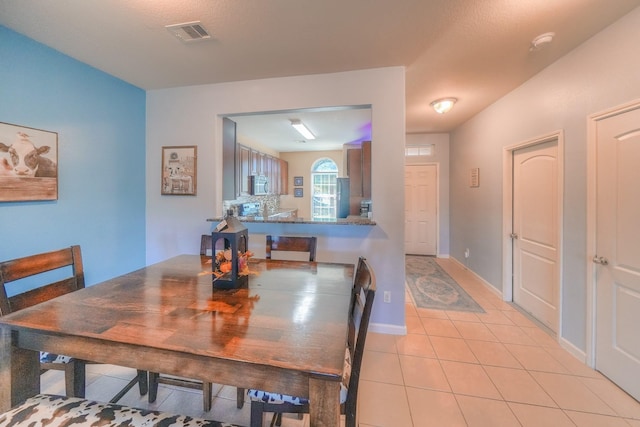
342 197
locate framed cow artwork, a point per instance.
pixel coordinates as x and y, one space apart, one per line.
28 164
179 170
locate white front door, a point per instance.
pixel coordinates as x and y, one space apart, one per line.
536 286
618 249
421 222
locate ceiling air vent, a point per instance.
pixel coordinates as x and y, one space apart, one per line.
189 31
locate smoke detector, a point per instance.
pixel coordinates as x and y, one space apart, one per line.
189 31
541 41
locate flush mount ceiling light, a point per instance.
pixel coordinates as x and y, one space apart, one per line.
189 31
541 41
443 105
300 127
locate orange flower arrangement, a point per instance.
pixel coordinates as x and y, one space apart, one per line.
223 263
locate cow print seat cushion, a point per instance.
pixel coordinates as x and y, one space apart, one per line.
54 358
58 411
276 398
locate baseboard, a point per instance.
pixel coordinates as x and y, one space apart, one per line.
385 328
574 351
567 345
480 279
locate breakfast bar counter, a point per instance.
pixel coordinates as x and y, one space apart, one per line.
350 220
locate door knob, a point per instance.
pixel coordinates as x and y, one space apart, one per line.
600 260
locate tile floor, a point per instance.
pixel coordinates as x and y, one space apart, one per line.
451 369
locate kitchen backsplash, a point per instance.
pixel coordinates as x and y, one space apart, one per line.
271 201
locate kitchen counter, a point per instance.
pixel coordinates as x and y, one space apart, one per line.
350 220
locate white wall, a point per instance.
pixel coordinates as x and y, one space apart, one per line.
440 156
601 73
192 116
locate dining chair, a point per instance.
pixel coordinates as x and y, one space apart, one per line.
205 244
362 295
284 244
291 244
156 378
55 265
296 244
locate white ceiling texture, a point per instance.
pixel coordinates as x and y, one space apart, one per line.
474 50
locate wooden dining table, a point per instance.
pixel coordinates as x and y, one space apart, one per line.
286 332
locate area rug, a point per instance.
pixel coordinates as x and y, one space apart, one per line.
432 287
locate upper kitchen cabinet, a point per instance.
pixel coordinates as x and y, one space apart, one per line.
284 176
359 170
229 168
250 162
243 168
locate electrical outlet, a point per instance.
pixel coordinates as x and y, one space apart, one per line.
466 253
387 296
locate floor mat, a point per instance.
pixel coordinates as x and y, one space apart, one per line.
432 287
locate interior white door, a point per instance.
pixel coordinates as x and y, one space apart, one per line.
536 285
618 250
421 222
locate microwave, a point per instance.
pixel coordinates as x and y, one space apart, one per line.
259 185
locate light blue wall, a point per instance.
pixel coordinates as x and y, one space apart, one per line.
100 122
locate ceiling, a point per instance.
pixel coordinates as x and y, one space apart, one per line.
332 128
475 50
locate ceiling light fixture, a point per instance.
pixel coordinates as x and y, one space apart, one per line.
541 41
300 127
443 105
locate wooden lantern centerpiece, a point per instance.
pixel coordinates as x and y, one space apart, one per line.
230 256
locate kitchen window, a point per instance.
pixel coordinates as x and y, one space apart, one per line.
323 186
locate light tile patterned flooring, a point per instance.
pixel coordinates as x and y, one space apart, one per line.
451 369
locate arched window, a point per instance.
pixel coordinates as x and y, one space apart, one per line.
323 186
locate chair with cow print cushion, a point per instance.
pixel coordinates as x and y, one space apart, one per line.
362 295
30 272
52 411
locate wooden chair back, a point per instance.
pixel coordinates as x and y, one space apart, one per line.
21 268
363 293
205 244
291 244
33 265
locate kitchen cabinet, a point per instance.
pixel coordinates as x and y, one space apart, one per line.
274 174
284 176
243 169
230 181
354 171
253 162
359 170
366 169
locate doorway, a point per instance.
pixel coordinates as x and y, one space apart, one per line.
421 209
532 225
614 253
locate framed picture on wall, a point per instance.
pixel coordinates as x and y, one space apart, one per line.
297 181
28 164
179 170
297 192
